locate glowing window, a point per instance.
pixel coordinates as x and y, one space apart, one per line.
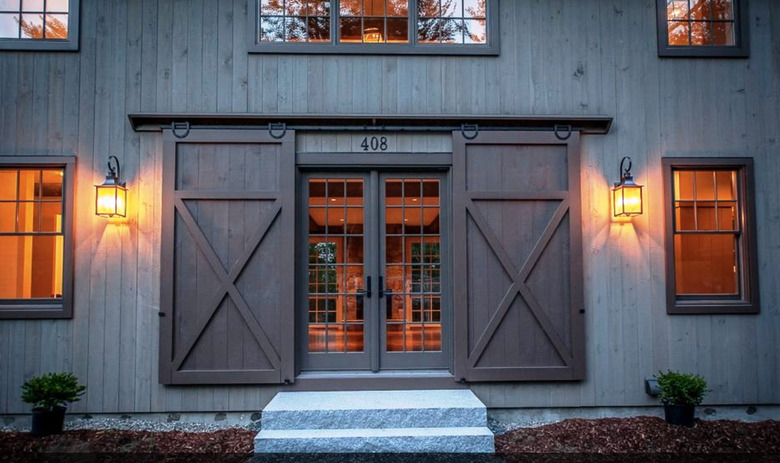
34 238
711 250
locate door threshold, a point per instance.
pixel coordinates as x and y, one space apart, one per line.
368 380
387 374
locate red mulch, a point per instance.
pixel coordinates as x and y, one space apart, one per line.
638 436
642 435
234 441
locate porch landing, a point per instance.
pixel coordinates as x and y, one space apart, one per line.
452 421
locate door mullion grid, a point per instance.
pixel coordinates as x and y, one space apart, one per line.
372 231
422 295
326 274
344 293
404 294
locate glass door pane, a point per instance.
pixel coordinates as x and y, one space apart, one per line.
336 273
413 265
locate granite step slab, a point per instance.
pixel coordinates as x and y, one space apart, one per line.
392 440
374 410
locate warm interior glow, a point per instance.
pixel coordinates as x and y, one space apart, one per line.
627 200
372 35
412 271
56 288
707 232
111 201
31 239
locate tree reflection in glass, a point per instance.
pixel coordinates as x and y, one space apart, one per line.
451 21
700 22
294 20
373 21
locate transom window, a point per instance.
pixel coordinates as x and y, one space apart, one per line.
712 241
701 28
38 24
375 26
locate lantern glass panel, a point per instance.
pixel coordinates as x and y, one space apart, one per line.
111 201
627 200
632 200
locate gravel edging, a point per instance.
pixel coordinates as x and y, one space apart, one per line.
132 424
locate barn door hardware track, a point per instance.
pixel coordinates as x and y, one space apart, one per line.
469 125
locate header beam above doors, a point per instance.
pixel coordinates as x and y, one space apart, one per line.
156 122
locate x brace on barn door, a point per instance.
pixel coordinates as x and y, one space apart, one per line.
518 278
228 280
227 276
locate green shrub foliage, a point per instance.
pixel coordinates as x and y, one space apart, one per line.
681 388
51 390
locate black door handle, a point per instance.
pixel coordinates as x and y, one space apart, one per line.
382 292
367 291
388 295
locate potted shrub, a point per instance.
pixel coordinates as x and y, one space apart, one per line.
680 394
49 395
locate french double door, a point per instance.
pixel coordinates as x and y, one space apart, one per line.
375 293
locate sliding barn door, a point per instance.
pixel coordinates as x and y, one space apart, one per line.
517 257
227 258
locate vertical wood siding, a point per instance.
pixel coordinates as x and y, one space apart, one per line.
557 57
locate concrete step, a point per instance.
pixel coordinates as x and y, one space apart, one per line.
374 410
392 440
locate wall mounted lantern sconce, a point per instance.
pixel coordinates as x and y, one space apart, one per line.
626 195
111 196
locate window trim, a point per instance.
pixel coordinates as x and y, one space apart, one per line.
41 308
72 44
740 49
491 48
748 302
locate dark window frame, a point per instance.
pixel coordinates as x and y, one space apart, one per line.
740 49
71 44
491 48
747 301
48 308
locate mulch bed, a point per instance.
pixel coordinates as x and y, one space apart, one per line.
643 435
585 440
232 441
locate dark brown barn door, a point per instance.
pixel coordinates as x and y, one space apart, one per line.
227 258
517 257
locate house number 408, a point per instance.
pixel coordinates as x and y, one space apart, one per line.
374 144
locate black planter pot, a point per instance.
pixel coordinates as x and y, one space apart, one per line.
679 414
47 422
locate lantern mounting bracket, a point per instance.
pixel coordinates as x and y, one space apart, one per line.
625 172
115 171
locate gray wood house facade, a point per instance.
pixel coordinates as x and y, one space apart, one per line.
308 210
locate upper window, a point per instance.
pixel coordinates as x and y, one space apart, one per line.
375 26
35 236
702 28
711 239
39 24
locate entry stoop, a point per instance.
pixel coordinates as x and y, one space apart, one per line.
441 421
